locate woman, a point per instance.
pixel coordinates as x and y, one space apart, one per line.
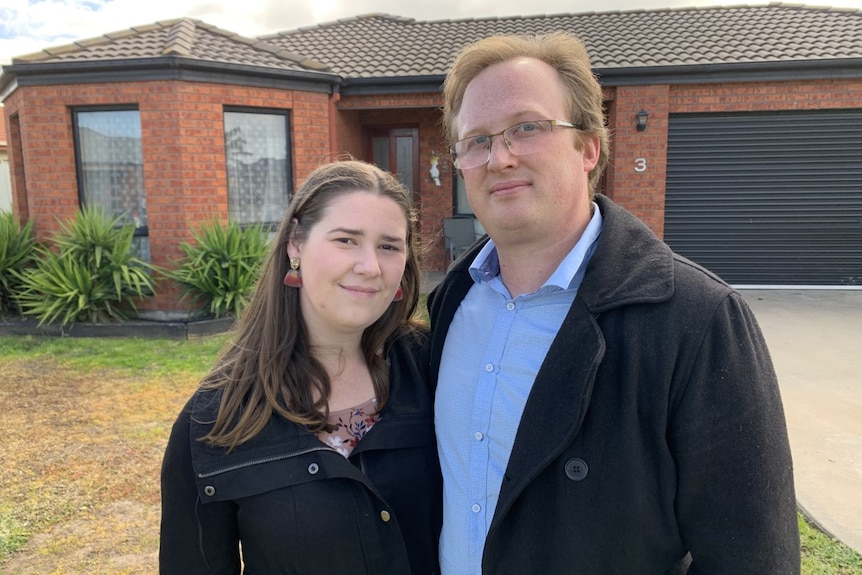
309 446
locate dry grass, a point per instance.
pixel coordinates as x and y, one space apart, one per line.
80 477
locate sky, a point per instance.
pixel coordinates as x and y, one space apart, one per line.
28 26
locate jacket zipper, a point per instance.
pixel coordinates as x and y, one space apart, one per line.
261 461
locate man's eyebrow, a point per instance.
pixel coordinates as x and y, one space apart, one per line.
516 118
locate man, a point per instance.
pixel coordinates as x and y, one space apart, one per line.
603 405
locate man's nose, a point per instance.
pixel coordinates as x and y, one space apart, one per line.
500 155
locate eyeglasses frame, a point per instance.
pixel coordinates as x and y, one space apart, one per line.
554 124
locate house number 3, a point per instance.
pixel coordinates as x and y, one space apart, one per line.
640 165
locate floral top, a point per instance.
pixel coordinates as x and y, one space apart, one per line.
351 425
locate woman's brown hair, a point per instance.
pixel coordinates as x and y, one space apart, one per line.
268 367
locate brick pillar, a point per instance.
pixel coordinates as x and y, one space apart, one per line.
639 159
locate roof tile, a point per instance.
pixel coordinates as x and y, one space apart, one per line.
381 45
182 37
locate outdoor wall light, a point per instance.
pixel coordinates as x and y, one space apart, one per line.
641 120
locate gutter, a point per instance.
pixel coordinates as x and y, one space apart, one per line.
161 68
820 69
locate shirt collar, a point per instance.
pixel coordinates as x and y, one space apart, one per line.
568 275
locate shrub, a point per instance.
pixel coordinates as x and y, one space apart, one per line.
17 246
92 277
221 266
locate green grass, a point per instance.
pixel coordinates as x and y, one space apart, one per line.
822 555
13 535
129 356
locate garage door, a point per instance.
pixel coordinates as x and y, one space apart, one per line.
768 199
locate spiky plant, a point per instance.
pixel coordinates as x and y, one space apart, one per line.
221 266
17 249
93 276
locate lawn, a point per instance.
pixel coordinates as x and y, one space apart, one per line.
85 423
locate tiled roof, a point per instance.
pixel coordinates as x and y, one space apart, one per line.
183 37
380 45
384 46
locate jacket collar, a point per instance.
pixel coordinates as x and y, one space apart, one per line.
405 417
630 265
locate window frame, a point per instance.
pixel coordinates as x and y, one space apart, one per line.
141 233
287 114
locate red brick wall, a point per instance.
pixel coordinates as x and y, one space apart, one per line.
390 101
349 140
773 96
637 167
16 163
182 129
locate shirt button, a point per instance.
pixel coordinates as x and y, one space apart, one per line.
476 508
510 306
209 490
385 516
313 468
489 367
478 435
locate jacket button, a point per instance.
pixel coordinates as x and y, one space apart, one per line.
576 469
209 490
385 516
313 468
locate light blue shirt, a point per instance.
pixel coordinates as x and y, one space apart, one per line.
493 351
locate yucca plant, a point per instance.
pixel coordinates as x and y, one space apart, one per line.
221 266
93 276
17 244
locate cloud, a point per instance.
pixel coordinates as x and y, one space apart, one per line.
28 26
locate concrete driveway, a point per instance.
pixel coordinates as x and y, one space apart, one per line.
815 338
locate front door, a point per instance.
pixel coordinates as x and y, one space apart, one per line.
397 150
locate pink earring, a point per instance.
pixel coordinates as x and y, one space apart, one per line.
293 278
399 294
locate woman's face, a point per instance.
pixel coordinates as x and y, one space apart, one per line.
351 263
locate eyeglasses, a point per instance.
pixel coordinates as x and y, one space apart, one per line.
522 139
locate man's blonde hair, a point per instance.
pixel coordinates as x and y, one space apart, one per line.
563 52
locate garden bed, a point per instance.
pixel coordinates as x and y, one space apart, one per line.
171 329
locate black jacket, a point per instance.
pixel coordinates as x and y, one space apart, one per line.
653 440
296 505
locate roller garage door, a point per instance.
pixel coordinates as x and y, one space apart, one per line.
768 199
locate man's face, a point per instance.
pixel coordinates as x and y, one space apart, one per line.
540 197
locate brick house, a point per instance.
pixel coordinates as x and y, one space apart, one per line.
750 160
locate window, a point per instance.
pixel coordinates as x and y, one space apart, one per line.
111 167
258 171
5 186
462 205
